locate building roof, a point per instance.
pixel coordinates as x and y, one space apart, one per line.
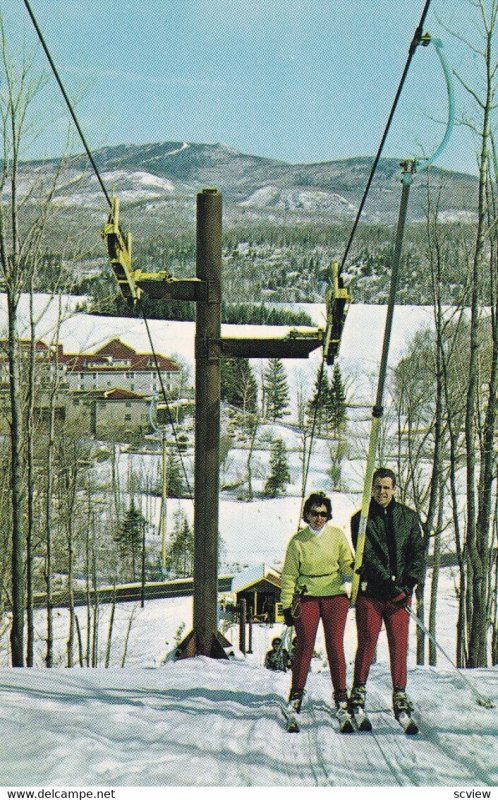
110 394
116 356
253 575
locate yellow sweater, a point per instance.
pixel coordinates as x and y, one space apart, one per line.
318 562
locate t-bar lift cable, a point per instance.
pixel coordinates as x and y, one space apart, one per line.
124 242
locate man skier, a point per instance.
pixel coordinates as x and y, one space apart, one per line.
393 564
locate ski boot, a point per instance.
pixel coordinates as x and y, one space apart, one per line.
403 708
357 708
342 712
292 710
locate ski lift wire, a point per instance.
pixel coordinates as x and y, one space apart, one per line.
106 194
68 102
417 38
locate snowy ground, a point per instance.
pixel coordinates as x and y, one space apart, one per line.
200 722
214 723
359 353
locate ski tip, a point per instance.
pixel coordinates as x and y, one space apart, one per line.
485 702
411 730
347 728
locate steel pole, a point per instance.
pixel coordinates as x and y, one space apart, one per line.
164 495
378 410
207 421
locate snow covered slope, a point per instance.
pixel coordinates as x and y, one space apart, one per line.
211 723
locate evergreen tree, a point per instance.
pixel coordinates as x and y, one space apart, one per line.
279 475
336 410
276 389
176 477
317 406
180 558
129 537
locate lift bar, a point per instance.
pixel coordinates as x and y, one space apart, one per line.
119 247
338 301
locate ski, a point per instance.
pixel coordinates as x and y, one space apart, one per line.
408 724
344 719
361 720
291 721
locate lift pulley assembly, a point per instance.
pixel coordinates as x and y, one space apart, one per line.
134 284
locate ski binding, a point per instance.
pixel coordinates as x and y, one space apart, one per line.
344 719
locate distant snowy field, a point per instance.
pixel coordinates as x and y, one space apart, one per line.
359 354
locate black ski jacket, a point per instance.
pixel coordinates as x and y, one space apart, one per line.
394 554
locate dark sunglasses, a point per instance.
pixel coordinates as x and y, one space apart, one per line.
323 514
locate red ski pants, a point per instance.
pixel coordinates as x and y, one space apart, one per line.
333 612
370 614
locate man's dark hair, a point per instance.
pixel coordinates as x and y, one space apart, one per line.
317 499
384 472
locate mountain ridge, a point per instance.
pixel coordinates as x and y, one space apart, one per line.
176 170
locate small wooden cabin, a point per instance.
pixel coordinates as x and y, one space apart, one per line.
260 588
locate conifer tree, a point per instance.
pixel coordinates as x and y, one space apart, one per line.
238 384
336 405
276 389
129 537
317 406
279 475
181 550
176 478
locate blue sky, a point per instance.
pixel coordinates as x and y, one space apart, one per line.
297 80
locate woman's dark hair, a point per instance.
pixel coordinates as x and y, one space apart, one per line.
317 499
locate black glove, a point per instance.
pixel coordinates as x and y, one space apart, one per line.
289 619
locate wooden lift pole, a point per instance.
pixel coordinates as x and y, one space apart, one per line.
207 421
205 291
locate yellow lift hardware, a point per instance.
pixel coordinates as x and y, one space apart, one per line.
337 300
119 248
134 283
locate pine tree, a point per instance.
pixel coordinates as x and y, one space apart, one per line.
279 475
238 384
129 537
176 477
180 558
276 389
336 406
317 406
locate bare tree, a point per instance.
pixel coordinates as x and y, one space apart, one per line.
20 243
479 484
